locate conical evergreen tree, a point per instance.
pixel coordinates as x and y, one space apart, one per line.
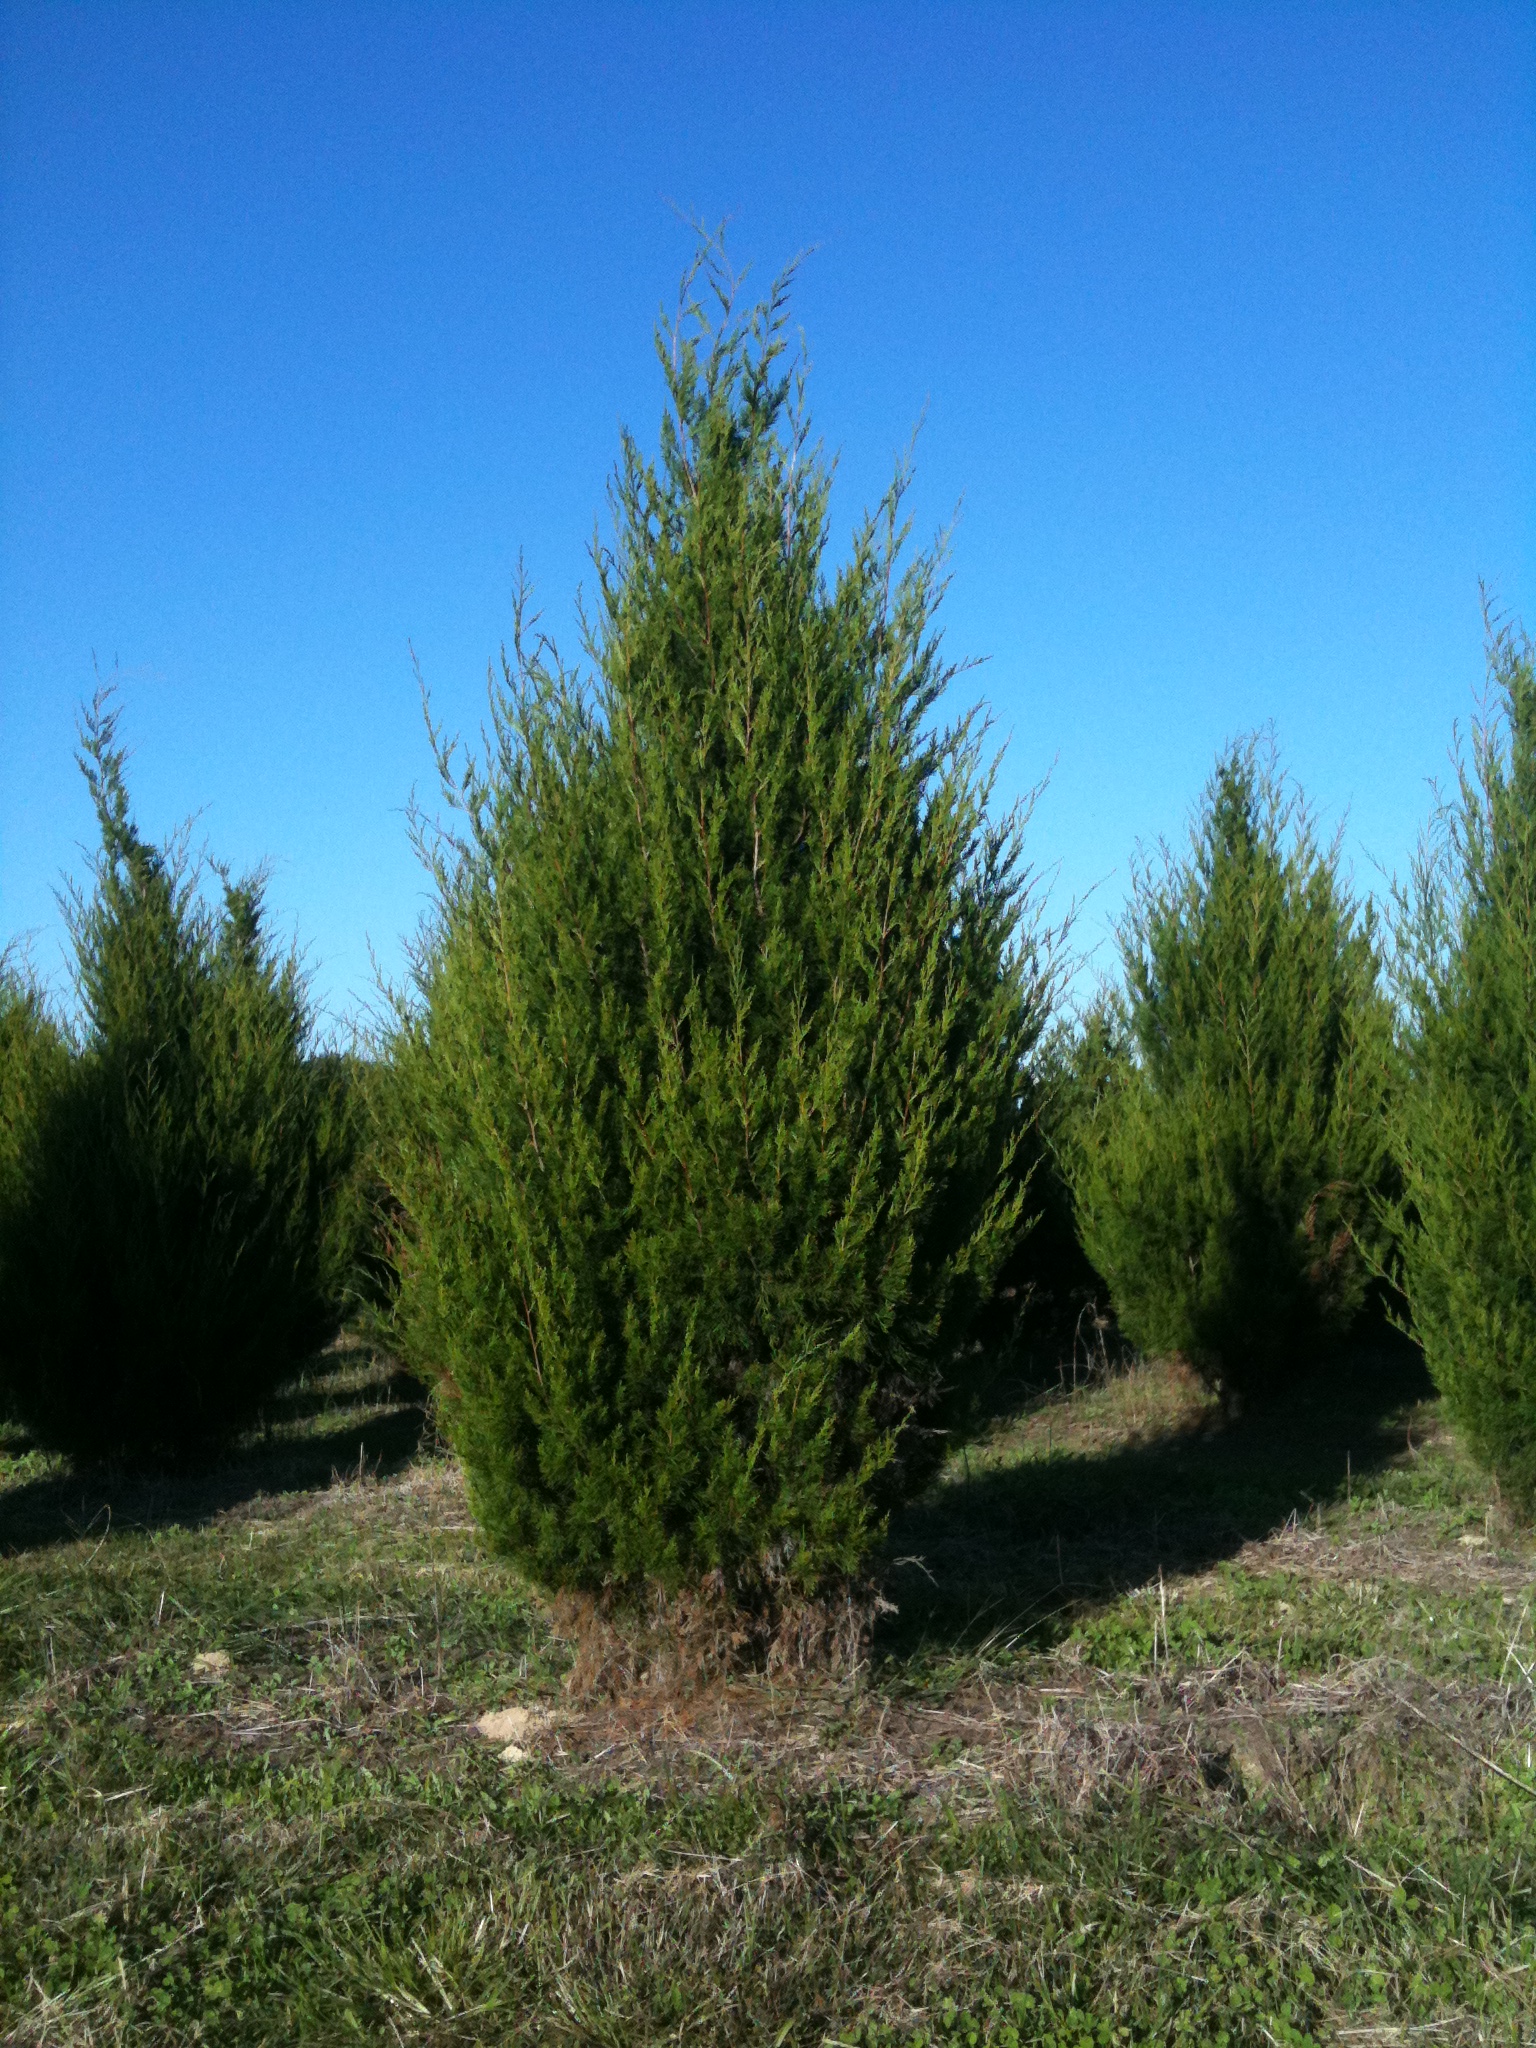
1231 1137
1465 1123
713 1091
161 1263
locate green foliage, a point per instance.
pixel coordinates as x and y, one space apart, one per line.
161 1241
33 1057
1229 1134
353 1093
712 1100
33 1060
1465 1122
1047 1281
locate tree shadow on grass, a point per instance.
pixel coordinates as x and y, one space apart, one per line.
333 1421
1016 1553
313 1396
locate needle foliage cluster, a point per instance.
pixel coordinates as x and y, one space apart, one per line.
353 1094
163 1249
1230 1139
33 1057
712 1090
1465 1120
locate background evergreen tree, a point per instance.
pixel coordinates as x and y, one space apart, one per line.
1230 1136
1465 1121
33 1056
161 1242
33 1059
352 1093
713 1092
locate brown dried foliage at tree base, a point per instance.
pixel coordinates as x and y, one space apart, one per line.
679 1644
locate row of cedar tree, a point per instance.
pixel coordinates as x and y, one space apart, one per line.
731 1109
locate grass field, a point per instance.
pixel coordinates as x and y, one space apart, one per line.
1180 1733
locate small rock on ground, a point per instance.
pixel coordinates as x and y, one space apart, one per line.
511 1724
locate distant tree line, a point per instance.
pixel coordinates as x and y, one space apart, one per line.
732 1118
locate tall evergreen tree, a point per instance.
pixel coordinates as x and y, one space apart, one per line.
713 1090
161 1242
1231 1138
1465 1122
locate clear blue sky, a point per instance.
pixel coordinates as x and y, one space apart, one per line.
312 319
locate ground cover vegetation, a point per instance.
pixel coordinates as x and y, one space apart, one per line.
1185 1730
991 1627
714 1105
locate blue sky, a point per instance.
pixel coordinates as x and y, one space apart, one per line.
313 319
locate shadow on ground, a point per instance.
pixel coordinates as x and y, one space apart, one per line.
1018 1552
332 1422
